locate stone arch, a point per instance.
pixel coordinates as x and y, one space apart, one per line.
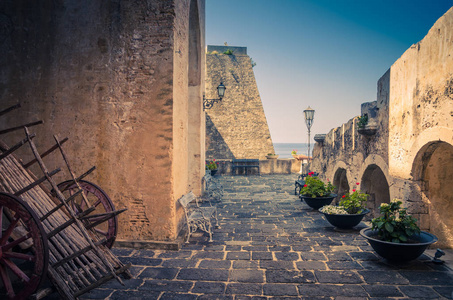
195 113
340 180
374 182
432 170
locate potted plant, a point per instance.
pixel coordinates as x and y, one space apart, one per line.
212 166
395 234
294 153
315 192
271 156
349 212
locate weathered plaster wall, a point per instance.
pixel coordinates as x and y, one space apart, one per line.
236 127
421 129
410 155
113 77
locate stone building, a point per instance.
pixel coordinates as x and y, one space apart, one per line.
236 127
406 149
123 80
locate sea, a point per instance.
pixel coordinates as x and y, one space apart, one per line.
284 149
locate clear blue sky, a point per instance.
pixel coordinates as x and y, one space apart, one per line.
327 54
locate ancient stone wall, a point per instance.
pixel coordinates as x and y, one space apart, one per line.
406 149
113 77
236 127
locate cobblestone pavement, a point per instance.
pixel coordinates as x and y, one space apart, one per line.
273 246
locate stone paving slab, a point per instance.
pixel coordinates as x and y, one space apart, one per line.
273 246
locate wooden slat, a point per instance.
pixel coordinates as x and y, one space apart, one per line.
53 148
37 182
20 127
17 146
60 205
7 110
103 280
76 254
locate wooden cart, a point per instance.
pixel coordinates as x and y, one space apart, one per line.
63 231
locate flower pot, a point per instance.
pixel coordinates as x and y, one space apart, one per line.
399 251
213 172
318 202
345 221
271 156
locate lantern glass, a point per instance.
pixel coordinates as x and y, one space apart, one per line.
221 90
309 114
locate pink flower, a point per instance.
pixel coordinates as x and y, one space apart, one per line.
353 190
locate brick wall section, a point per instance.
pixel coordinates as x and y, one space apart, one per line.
237 126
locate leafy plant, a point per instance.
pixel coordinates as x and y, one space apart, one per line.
314 187
363 120
394 224
294 152
211 165
252 62
354 202
228 52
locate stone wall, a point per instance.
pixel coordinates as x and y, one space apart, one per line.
406 149
113 77
236 127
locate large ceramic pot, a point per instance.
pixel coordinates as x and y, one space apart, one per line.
399 251
317 203
213 172
345 221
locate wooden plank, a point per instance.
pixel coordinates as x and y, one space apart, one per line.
53 148
60 205
7 110
17 146
37 182
21 127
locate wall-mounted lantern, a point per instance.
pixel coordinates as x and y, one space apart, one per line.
208 103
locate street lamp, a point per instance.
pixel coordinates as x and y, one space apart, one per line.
309 114
208 103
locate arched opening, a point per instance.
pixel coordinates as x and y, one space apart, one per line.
340 181
375 184
195 154
433 170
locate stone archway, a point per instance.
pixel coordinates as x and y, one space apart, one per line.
433 171
375 184
340 181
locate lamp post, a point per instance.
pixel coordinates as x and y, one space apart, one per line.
208 103
309 115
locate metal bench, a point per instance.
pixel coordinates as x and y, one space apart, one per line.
245 164
213 188
198 217
300 182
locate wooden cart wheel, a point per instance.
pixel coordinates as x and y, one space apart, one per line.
95 196
24 254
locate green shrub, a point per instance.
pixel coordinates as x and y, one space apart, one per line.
394 224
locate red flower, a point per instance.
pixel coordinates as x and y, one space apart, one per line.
305 185
213 160
357 183
311 174
353 190
344 196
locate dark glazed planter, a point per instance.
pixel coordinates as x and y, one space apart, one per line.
345 221
399 251
317 203
213 172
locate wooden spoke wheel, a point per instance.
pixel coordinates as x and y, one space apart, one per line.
24 254
102 203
